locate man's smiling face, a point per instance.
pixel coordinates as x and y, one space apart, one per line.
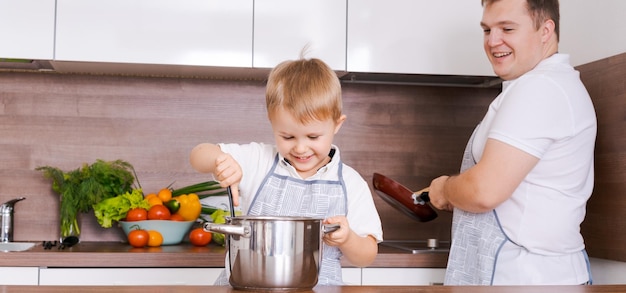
512 43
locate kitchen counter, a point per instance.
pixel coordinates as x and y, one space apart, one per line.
330 289
117 254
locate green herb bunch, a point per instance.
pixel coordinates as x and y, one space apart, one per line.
80 189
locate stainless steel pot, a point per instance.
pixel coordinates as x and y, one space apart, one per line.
277 253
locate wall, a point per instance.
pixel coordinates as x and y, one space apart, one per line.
579 22
605 226
407 132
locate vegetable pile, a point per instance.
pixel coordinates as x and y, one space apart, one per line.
181 204
107 188
174 205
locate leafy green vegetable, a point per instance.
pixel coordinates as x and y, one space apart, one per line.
81 188
116 208
219 217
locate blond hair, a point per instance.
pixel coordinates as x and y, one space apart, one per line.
307 88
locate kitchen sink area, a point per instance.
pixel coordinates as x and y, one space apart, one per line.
16 246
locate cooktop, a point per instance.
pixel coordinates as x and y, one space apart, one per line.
419 246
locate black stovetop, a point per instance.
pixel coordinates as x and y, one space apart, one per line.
419 246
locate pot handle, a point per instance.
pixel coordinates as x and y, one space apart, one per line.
226 229
329 228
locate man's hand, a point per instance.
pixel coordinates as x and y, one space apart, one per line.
437 195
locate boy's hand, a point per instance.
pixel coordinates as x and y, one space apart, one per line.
228 172
341 235
358 250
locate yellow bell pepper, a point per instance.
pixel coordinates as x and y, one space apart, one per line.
190 206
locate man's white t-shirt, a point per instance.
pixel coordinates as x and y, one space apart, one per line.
547 113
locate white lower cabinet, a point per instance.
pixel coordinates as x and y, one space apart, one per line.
128 276
198 276
19 275
351 276
402 276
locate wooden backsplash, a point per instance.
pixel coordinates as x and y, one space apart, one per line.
407 132
604 227
410 133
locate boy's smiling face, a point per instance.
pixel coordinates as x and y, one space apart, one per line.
305 146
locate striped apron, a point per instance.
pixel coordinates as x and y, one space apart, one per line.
282 195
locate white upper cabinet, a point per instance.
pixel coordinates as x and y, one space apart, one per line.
420 37
282 28
592 30
441 37
27 29
181 32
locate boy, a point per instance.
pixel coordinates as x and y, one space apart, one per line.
302 175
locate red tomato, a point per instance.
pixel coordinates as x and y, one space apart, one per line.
137 214
138 238
159 212
177 217
199 237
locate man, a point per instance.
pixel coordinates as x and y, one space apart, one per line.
527 171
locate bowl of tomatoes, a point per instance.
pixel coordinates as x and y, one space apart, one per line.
172 232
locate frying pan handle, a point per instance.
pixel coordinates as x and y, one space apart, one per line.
328 228
421 198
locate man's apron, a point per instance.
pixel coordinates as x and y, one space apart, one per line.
281 195
476 240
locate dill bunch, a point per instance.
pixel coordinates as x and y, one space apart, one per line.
81 188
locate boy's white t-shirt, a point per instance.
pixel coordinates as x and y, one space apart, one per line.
256 159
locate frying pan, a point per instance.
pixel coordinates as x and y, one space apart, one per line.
403 199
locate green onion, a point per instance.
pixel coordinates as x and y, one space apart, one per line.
203 189
207 210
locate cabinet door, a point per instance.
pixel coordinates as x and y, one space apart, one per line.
402 276
183 32
19 275
128 276
351 276
282 28
27 29
416 37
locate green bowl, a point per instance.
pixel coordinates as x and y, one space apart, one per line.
173 232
